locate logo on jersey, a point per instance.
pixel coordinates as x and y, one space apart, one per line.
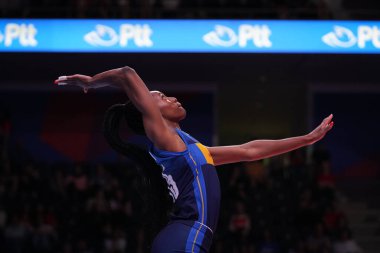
172 186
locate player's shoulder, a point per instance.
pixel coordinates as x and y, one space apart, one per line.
187 137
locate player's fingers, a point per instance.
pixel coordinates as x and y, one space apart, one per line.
69 80
62 80
326 121
328 118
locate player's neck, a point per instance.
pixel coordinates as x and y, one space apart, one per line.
173 124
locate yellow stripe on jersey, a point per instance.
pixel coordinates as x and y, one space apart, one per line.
205 153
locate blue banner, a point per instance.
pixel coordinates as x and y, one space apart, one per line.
185 36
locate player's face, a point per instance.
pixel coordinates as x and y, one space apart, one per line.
170 108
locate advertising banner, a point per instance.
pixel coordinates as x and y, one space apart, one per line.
189 36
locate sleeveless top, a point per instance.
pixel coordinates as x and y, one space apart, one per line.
192 182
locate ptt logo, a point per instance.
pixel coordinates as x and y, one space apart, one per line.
25 34
224 36
346 38
106 36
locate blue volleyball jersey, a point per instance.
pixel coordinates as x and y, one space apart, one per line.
192 181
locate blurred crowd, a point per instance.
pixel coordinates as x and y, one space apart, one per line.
246 9
283 206
267 207
68 209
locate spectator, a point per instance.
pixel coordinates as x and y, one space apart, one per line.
336 8
326 184
240 227
5 128
307 214
318 241
124 8
345 244
299 247
77 185
269 245
325 179
81 8
101 177
3 215
170 8
332 217
15 235
44 237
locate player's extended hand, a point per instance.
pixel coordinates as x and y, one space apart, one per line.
319 132
78 80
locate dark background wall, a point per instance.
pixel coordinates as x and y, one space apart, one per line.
257 94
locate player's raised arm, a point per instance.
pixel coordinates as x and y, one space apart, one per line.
126 78
260 149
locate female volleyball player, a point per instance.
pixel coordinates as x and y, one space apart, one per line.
185 164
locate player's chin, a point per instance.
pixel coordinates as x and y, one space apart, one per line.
182 113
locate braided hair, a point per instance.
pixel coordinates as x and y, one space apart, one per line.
152 187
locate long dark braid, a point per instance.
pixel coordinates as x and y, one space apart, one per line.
153 189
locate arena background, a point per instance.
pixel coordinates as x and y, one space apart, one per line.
57 168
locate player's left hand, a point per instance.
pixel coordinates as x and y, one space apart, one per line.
319 132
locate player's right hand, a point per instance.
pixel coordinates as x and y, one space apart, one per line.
82 81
